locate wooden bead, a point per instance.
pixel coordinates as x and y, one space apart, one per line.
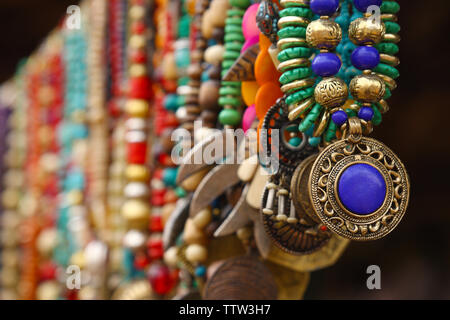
248 168
169 67
191 183
214 54
196 253
202 218
209 95
171 257
166 211
192 234
195 71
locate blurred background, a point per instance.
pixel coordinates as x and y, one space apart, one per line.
415 258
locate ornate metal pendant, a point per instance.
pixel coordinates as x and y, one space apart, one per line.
358 188
287 225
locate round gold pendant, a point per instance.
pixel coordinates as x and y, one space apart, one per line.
359 190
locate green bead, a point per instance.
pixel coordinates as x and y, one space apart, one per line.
376 120
229 117
309 120
314 141
230 91
294 53
387 93
292 32
234 37
295 74
233 21
231 55
233 46
243 4
299 96
180 192
330 134
387 70
235 12
184 26
230 101
183 81
233 28
390 7
392 27
387 48
231 83
296 11
288 4
226 64
295 141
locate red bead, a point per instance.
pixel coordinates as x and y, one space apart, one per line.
156 224
137 152
155 248
139 56
140 88
323 228
160 278
47 271
138 27
141 261
158 173
158 201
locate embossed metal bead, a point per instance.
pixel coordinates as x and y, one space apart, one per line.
367 88
364 31
323 34
331 92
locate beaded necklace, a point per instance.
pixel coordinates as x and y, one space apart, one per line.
358 215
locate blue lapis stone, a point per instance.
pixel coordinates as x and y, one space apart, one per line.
324 7
361 188
365 57
365 113
339 117
362 5
326 64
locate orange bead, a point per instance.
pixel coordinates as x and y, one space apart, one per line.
265 71
264 42
266 97
249 89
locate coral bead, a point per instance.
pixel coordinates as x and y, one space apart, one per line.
365 57
324 7
326 64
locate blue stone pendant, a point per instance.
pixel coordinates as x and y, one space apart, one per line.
359 189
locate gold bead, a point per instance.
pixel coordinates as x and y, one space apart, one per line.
367 88
323 34
290 42
364 31
137 70
331 92
136 212
137 108
135 172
